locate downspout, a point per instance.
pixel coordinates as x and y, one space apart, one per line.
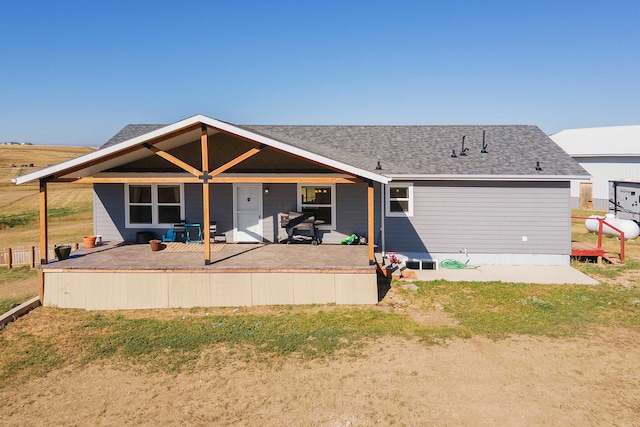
383 191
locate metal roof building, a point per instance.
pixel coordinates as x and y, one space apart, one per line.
608 153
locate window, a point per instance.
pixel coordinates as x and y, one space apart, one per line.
400 199
319 201
154 204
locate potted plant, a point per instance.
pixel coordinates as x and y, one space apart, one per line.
156 245
89 241
62 251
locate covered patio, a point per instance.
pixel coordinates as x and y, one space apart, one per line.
204 171
127 276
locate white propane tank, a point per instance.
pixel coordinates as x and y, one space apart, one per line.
630 229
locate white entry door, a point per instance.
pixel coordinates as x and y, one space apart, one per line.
247 212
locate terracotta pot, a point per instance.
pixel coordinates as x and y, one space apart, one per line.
155 244
89 241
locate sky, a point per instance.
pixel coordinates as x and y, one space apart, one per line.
76 72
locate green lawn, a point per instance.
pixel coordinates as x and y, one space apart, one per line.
174 340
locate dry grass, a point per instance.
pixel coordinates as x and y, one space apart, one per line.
23 199
39 155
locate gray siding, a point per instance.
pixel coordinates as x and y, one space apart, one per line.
484 218
108 212
351 210
109 215
193 203
221 208
281 199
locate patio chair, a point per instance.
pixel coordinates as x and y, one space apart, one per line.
170 237
214 237
179 232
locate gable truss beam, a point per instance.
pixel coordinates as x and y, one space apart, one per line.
239 159
112 156
281 151
173 159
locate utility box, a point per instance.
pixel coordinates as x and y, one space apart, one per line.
422 264
624 199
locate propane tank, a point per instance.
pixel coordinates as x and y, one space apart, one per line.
630 229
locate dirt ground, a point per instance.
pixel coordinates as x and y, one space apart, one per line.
522 381
20 288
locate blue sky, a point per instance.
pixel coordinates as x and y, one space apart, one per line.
76 72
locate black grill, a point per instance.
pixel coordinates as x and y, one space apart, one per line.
300 227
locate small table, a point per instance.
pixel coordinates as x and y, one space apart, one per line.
188 229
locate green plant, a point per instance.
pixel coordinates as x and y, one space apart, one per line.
540 303
498 310
33 357
178 341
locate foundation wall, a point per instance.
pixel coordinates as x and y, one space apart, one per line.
99 290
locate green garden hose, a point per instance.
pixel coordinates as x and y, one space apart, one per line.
452 264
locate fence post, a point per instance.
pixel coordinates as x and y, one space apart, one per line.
33 256
9 259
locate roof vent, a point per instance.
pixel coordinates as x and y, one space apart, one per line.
463 151
484 144
379 166
538 167
453 153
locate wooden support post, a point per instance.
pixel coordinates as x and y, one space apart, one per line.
33 256
44 228
9 258
206 215
370 218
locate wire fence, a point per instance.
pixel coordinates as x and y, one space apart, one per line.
25 255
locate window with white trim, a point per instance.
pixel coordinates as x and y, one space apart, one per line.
318 200
400 199
153 205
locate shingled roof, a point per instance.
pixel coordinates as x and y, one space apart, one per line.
128 132
509 150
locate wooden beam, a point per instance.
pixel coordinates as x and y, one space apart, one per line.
173 159
206 215
370 218
217 179
235 161
63 180
128 150
312 180
140 180
44 229
279 150
283 180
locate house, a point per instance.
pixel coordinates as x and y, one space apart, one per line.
499 194
608 153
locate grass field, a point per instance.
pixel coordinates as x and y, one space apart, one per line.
172 340
70 212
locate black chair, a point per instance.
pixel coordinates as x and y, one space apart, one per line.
213 234
179 232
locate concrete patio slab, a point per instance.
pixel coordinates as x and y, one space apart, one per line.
538 274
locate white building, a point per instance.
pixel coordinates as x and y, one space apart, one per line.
608 154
